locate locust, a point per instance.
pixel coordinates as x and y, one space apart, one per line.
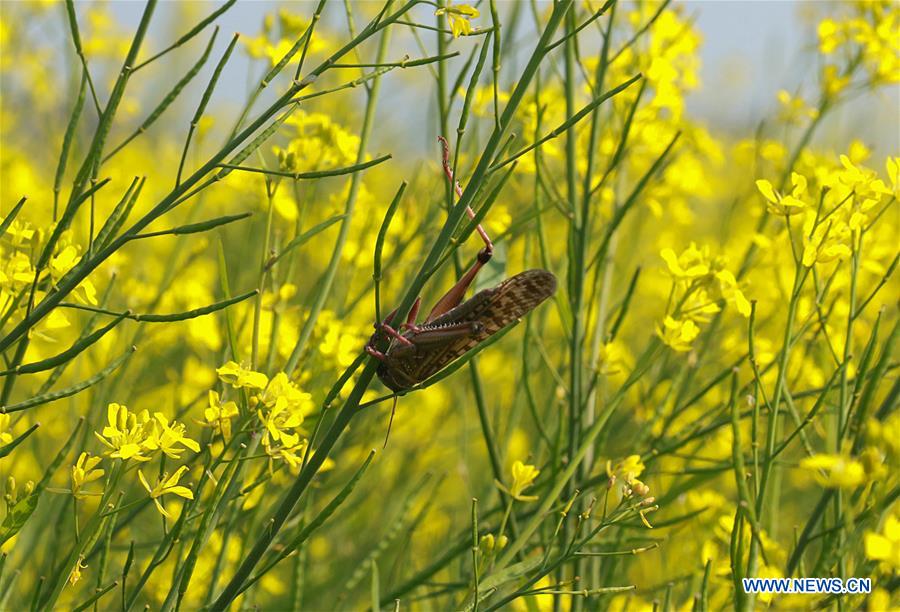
417 351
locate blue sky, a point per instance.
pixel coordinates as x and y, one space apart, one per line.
751 50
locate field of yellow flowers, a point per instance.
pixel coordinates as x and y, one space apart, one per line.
198 230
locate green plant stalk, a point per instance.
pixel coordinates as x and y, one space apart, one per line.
79 51
271 188
475 572
590 402
845 400
449 187
313 525
68 391
327 280
84 268
169 98
350 407
579 231
742 601
207 525
379 246
204 100
58 581
273 72
95 152
403 521
68 354
120 212
553 492
285 507
67 141
772 425
201 25
233 588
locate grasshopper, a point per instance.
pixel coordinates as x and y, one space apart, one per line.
454 327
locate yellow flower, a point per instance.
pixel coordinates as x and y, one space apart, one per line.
75 576
864 183
794 109
124 433
886 434
835 471
885 546
459 15
5 436
784 204
830 36
292 455
611 357
281 387
628 469
523 476
678 334
167 485
728 287
892 165
279 423
340 341
219 415
826 244
238 377
692 263
832 82
164 437
83 472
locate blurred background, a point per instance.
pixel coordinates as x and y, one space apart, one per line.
738 88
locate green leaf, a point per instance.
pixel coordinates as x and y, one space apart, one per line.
17 516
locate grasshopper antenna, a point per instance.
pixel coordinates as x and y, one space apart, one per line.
391 422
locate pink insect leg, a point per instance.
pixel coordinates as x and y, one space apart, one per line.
456 293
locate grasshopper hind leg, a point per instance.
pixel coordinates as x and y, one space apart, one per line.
457 292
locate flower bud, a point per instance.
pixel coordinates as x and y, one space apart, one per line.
640 488
486 544
502 541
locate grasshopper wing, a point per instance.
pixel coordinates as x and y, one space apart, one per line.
488 312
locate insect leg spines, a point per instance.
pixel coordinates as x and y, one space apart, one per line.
457 292
445 161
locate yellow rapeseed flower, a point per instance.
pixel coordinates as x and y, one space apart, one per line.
779 204
168 437
794 109
692 263
75 576
219 415
167 485
825 243
124 433
5 435
459 15
239 377
885 546
83 472
523 476
835 471
678 334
